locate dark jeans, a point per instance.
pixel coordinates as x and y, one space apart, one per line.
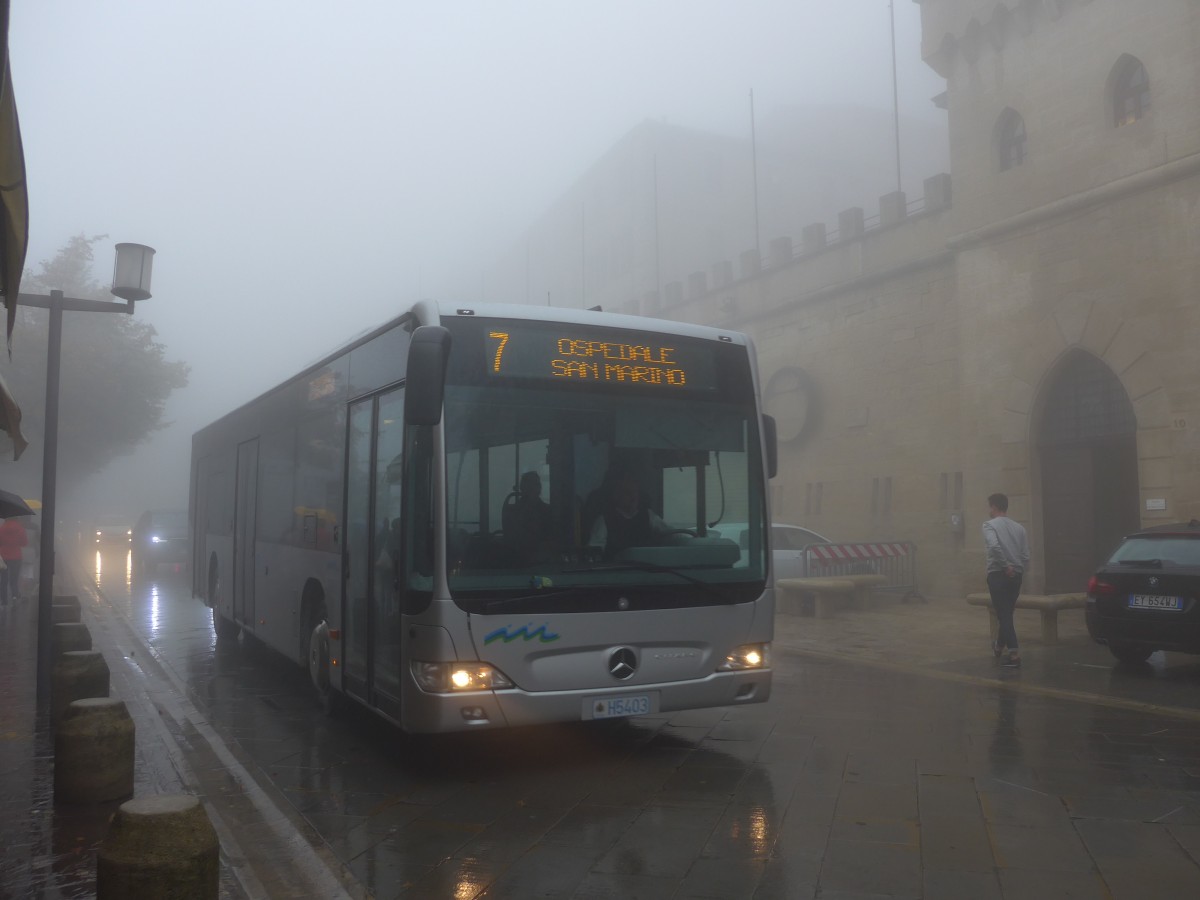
1004 591
10 580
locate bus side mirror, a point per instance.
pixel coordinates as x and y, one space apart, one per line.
769 435
425 389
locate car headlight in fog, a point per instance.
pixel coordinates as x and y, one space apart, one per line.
747 656
457 677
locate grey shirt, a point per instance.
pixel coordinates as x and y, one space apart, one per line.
1006 544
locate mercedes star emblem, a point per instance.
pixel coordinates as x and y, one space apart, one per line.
622 664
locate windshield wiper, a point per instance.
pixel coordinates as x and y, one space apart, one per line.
637 565
542 594
1142 563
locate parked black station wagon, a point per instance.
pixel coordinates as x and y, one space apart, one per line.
1147 596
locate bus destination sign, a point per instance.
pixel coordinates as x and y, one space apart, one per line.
636 360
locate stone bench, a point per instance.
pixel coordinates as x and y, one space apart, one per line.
824 591
1047 604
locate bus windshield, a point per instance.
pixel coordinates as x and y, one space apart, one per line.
562 490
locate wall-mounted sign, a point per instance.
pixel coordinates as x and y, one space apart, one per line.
1157 503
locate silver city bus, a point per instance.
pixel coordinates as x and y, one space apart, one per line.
499 516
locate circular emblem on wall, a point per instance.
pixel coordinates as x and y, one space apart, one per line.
791 399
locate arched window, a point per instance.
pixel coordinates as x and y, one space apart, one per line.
1010 139
1130 91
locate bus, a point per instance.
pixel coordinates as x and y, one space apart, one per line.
354 519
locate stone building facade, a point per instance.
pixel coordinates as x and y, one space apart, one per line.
1030 329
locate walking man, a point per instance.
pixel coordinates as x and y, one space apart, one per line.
1007 560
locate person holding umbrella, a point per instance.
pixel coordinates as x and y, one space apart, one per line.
13 537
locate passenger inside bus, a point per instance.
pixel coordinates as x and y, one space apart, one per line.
527 523
624 519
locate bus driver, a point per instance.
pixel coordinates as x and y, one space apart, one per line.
624 520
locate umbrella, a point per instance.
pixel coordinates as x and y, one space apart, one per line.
11 505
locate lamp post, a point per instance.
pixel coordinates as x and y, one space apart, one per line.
131 282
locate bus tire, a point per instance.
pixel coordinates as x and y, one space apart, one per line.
225 629
319 666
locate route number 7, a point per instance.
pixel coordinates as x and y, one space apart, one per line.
502 336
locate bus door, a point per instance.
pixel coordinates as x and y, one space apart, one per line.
245 504
371 625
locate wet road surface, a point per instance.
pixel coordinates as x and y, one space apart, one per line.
863 777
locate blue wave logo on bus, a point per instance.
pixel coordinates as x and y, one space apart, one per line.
503 634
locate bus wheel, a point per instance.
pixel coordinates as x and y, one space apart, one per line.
318 667
226 629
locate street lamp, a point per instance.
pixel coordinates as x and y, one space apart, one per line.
131 282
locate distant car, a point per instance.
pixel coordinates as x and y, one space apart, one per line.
110 530
160 536
787 545
1147 596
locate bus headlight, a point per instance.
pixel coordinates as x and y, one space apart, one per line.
747 656
458 677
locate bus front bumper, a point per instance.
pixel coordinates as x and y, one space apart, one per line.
428 713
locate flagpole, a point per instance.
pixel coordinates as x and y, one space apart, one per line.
657 255
754 171
895 95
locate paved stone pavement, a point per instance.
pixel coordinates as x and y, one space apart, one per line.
50 851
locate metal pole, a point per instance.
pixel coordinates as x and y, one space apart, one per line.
895 96
657 242
49 486
754 170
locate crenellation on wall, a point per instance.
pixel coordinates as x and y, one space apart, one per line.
851 224
968 29
893 209
877 249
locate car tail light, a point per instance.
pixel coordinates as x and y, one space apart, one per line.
1096 587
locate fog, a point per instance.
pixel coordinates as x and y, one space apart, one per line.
305 172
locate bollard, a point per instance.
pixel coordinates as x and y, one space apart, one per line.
70 636
93 752
63 612
161 846
78 674
66 600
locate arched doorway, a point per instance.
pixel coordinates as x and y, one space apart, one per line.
1087 449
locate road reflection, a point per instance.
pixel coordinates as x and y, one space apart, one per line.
111 566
